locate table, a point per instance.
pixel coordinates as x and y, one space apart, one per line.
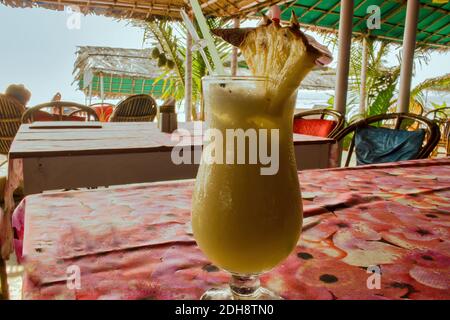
117 153
135 242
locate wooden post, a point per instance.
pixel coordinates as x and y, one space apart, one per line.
188 79
343 64
234 52
344 43
102 89
409 43
362 89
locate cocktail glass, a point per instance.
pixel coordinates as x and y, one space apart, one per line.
246 213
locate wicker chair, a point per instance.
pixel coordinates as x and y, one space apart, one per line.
442 118
138 108
10 120
322 114
31 113
402 121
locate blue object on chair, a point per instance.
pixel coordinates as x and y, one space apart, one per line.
379 145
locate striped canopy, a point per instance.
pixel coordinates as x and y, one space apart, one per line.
433 29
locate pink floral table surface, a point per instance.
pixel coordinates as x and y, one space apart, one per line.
135 242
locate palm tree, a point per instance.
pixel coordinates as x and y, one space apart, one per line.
169 38
382 81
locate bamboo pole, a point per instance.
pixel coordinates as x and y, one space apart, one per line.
363 88
234 53
188 79
345 40
409 42
102 89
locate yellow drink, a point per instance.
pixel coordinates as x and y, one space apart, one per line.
246 222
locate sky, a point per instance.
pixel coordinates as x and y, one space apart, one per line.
38 50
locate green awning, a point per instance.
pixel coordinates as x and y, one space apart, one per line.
125 72
121 86
433 26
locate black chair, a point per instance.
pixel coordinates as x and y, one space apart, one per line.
401 121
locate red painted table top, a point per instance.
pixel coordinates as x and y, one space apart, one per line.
135 242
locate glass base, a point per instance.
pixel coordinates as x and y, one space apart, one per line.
227 294
242 287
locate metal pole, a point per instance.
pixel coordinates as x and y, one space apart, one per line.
188 79
409 43
234 52
344 43
362 89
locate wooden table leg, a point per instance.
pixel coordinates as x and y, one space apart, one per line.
4 293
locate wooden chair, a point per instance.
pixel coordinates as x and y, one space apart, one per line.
31 114
138 108
322 114
10 120
442 118
402 121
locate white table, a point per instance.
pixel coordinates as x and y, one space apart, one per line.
67 157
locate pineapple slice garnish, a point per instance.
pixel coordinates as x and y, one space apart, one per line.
283 54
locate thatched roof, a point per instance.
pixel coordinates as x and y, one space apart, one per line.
319 15
131 71
116 61
124 71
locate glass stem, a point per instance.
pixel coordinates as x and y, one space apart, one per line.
244 286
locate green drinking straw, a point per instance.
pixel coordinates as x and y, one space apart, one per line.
218 66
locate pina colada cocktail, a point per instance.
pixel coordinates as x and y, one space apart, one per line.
246 212
247 219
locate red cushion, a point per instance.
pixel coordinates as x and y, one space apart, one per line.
72 118
43 116
103 112
314 127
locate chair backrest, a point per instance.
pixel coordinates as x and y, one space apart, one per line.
442 117
11 112
322 114
31 114
138 108
401 121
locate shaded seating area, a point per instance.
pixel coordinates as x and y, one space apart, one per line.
136 239
373 143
